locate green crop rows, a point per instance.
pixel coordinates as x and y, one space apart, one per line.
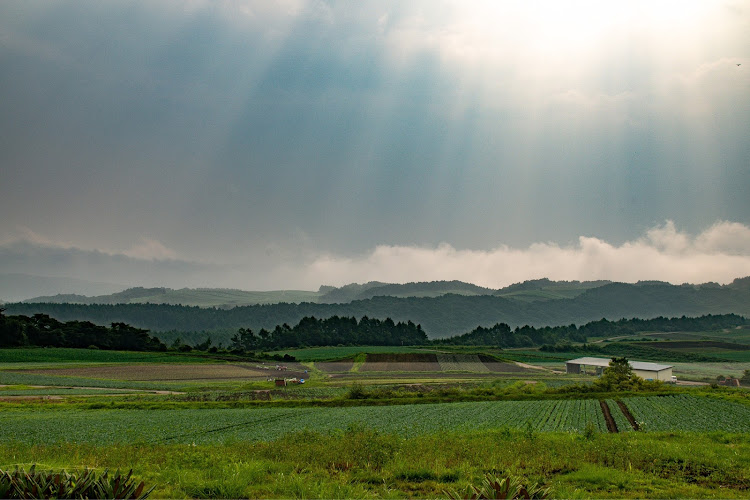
24 356
21 378
623 425
221 425
688 413
105 426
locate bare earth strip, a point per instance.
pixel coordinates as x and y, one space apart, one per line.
335 366
535 367
152 372
401 362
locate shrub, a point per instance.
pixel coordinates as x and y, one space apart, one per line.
356 391
509 487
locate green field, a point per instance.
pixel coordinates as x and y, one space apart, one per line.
20 390
367 431
708 371
20 378
206 426
39 355
687 413
220 425
332 353
738 335
358 463
623 425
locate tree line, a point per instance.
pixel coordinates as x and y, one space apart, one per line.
44 331
310 332
559 338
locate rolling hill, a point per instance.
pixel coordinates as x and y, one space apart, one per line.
440 316
529 291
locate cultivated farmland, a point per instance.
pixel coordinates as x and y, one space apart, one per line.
219 425
206 426
683 412
167 372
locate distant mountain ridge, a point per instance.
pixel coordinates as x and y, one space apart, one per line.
201 297
530 291
372 289
441 316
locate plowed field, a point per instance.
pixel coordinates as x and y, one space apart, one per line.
416 362
166 372
335 366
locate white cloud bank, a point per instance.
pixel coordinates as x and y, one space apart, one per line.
720 254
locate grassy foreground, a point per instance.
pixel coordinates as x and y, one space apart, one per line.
363 463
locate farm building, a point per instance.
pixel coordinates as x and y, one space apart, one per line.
648 371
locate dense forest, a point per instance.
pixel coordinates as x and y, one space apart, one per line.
41 330
330 332
440 317
559 338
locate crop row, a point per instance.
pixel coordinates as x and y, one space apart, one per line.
24 377
622 422
688 413
221 425
461 362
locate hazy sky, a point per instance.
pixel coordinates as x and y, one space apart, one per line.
259 144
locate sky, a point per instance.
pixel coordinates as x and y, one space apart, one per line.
273 145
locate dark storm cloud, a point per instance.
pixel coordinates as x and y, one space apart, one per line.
274 133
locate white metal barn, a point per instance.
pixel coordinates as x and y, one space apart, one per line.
648 371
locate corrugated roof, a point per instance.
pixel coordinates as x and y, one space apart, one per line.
651 367
636 365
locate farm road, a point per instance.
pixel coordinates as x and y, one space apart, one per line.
536 367
101 391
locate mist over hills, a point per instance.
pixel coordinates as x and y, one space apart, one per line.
22 286
440 316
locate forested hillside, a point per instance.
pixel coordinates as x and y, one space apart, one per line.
439 316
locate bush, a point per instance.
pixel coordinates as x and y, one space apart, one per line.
493 487
356 391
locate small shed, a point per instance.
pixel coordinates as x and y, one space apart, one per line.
643 369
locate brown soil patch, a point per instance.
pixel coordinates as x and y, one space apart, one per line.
343 365
406 362
611 425
502 367
627 414
166 372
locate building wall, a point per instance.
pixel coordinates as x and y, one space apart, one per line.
653 375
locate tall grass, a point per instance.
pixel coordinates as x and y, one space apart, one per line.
362 463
